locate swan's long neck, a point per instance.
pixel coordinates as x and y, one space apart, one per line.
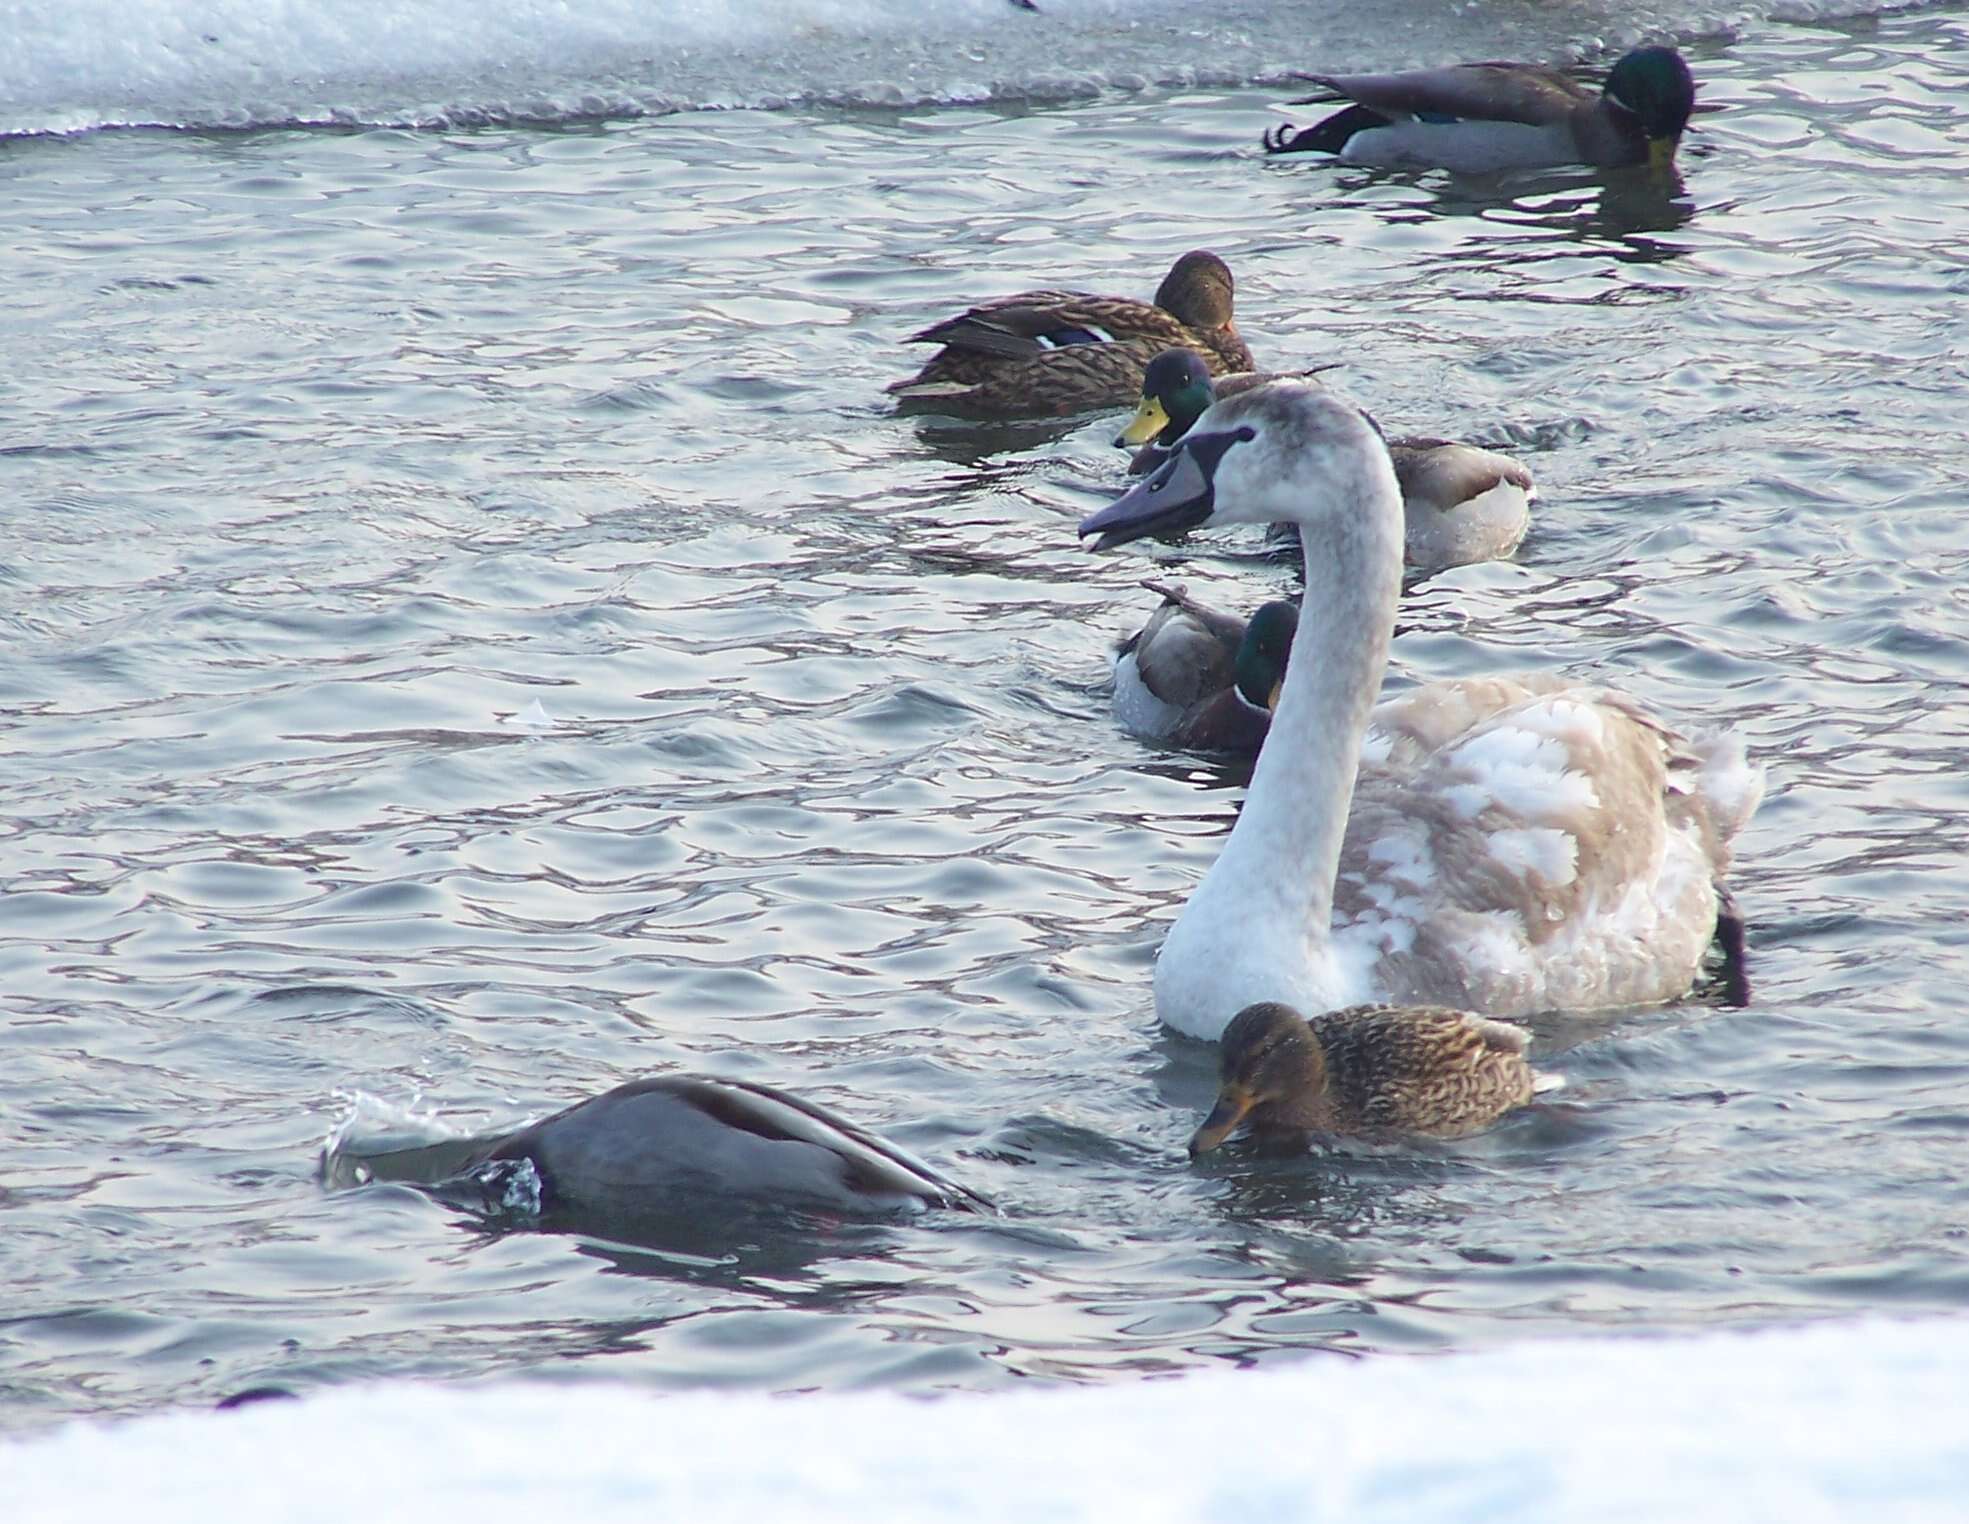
1285 849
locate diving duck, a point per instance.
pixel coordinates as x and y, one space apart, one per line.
1370 1070
1199 678
1043 353
1501 845
682 1137
1481 117
1460 502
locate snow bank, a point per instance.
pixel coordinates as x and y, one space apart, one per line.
1830 1422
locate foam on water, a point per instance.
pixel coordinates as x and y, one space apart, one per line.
77 65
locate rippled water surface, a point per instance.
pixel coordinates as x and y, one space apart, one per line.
475 632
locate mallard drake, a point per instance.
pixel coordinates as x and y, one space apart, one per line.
1198 678
653 1143
1502 845
1370 1070
1460 503
1043 353
1480 117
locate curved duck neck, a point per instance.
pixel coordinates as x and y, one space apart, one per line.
1284 851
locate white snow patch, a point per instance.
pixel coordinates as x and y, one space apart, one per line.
1805 1425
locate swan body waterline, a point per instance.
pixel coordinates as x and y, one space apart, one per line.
1371 1071
1482 117
1500 845
691 1138
1460 503
1199 678
1047 353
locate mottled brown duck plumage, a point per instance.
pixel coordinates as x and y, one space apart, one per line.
1368 1070
1049 353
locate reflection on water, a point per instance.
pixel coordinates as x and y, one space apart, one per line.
318 491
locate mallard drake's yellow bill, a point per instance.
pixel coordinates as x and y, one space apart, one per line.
1150 419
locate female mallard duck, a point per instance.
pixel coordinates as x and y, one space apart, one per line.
1497 844
1370 1070
676 1138
1460 503
1490 116
1198 678
1053 352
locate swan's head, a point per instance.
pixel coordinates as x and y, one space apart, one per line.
1284 452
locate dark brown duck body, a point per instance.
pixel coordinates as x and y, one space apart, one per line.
1048 353
1374 1071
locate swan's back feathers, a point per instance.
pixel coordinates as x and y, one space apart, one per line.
1515 845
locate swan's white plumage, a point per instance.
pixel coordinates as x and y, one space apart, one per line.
1496 844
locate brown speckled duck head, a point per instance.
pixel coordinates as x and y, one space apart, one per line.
1270 1059
1199 290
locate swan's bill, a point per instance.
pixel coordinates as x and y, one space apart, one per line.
1179 495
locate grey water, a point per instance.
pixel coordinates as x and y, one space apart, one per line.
474 632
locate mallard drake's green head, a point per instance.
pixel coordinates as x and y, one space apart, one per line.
1654 86
1262 654
1198 289
1269 1055
1176 389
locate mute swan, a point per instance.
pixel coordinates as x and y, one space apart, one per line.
1507 846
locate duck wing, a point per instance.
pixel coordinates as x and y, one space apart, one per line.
1485 92
871 1163
1444 474
1187 653
644 1138
1036 322
1424 1069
